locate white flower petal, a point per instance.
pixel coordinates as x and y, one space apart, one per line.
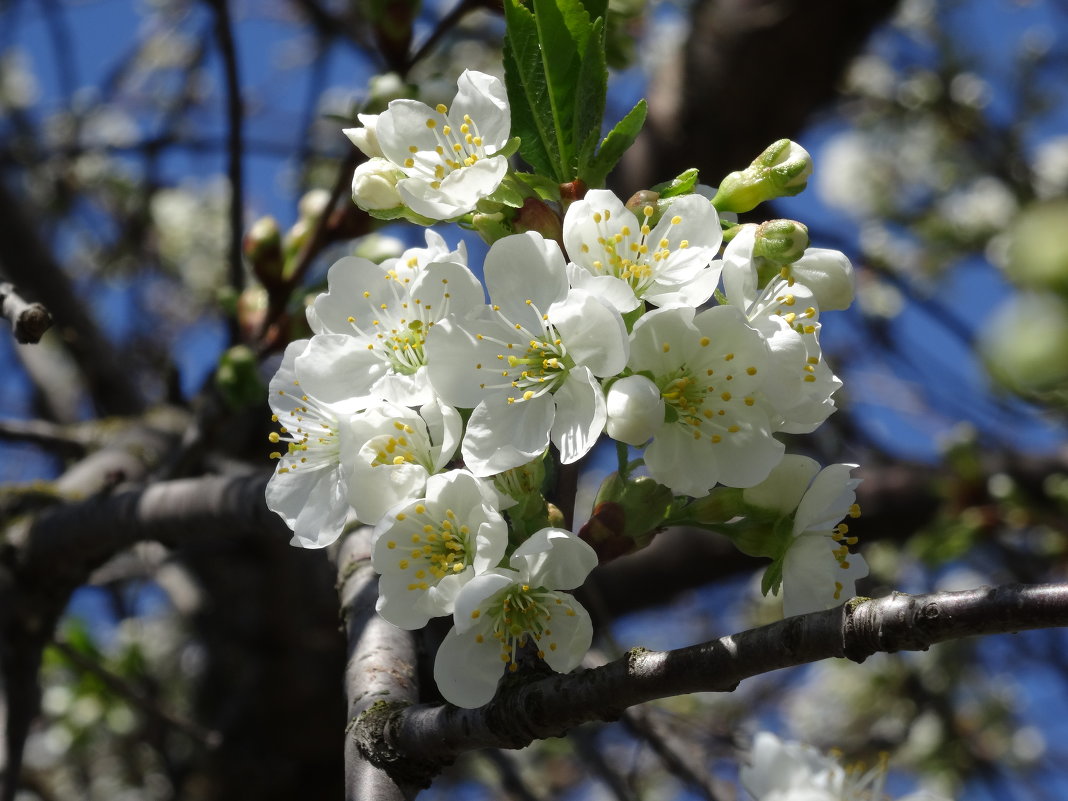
572 633
581 414
594 332
785 486
828 499
525 267
502 435
813 579
467 671
336 369
554 558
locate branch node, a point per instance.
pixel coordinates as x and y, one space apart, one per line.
369 730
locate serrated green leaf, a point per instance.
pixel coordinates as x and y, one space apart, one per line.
564 31
528 93
615 145
596 8
591 89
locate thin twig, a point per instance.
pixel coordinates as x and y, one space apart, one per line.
120 687
29 321
224 36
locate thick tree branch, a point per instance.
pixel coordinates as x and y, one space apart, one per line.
379 676
548 707
71 540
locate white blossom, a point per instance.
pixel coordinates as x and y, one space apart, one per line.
372 324
396 450
710 369
428 548
818 571
502 610
450 157
625 261
527 364
791 771
787 315
308 489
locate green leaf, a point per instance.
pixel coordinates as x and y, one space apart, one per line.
528 93
615 145
546 188
682 184
591 90
564 30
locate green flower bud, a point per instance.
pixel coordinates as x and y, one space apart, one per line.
782 170
781 241
537 215
262 247
626 515
1025 343
1038 255
238 377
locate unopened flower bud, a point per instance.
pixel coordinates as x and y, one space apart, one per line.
781 241
374 185
262 247
782 170
642 198
295 238
828 274
635 410
536 215
626 515
365 138
238 378
312 204
491 227
1038 250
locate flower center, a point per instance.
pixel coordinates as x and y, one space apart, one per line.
439 546
458 146
519 613
310 433
841 553
397 449
629 256
395 330
542 368
706 401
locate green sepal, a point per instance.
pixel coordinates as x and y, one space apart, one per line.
401 213
614 145
506 194
511 147
772 578
682 184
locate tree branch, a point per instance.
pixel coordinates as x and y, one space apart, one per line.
29 321
435 735
379 676
224 36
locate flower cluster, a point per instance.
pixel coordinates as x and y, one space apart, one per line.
425 405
